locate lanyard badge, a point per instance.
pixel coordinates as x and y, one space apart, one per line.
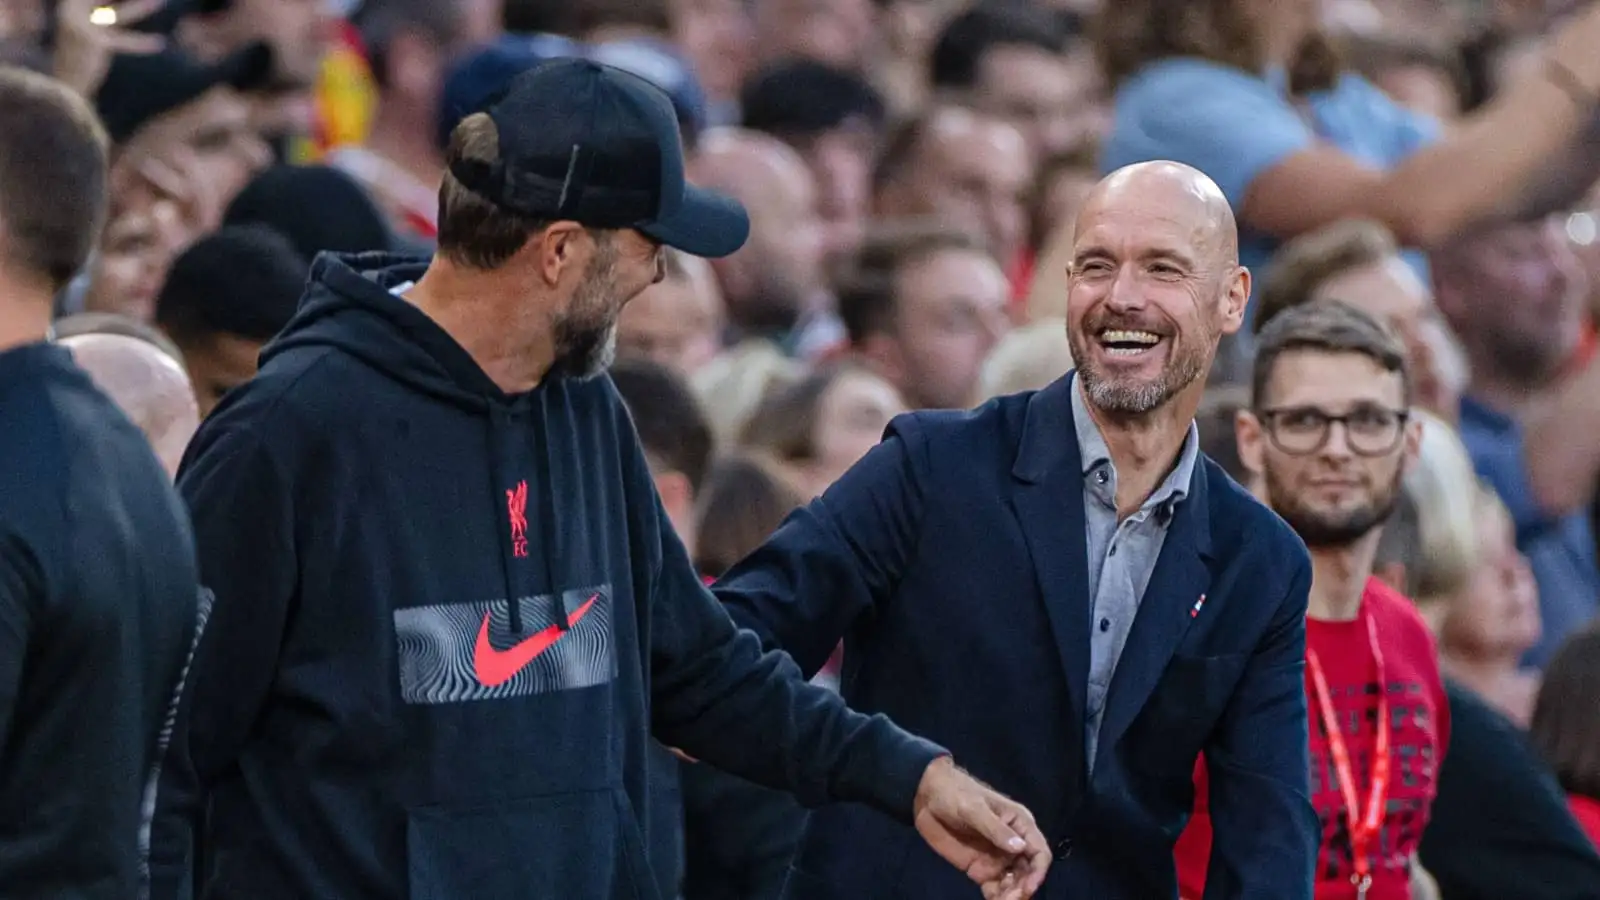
1364 821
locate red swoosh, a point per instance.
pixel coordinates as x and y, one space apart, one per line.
496 667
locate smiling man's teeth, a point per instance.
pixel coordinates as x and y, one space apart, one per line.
1129 337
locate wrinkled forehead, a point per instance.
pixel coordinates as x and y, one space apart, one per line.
1134 230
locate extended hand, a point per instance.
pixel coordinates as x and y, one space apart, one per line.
988 836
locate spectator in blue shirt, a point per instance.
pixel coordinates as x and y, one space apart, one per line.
1249 93
1510 292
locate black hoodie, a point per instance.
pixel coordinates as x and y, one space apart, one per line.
367 716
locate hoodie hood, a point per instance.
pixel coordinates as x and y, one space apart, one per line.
352 306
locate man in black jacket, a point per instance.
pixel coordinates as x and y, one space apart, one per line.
449 610
97 571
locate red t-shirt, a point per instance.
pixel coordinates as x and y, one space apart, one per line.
1587 812
1419 729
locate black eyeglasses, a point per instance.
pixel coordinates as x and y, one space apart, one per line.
1304 430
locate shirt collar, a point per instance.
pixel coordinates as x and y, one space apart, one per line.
1095 454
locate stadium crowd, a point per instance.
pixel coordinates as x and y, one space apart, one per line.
913 172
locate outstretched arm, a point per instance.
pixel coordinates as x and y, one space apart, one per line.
722 699
717 694
836 558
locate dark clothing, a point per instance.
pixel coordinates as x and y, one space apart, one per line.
666 822
1501 826
953 560
97 610
369 717
740 836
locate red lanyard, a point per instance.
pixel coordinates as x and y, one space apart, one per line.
1364 826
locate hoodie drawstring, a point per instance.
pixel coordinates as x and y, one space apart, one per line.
550 536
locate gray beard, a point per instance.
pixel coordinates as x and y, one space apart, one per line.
1136 399
584 355
1130 399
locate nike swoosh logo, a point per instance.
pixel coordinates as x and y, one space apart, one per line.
496 667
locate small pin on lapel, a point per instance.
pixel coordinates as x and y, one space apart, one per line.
1197 604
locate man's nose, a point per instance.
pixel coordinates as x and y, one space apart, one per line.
1125 292
1337 444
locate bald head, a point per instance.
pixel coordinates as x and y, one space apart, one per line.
1153 284
148 385
770 280
758 169
1183 194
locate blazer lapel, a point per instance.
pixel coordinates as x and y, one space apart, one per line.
1048 504
1181 576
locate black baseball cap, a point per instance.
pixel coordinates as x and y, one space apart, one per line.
140 87
586 142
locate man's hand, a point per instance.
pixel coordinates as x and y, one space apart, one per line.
990 837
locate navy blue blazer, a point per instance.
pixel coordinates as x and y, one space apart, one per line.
952 561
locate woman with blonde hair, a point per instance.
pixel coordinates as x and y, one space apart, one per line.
1467 577
1428 547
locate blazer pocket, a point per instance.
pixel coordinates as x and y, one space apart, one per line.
580 844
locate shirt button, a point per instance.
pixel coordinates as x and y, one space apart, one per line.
1100 476
1063 848
1105 625
1112 551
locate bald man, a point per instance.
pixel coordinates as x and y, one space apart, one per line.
148 384
963 166
774 286
1063 588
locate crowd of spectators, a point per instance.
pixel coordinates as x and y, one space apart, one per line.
912 169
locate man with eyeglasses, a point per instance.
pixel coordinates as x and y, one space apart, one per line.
1329 434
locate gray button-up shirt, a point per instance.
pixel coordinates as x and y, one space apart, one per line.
1121 554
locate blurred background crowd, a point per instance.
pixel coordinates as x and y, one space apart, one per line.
912 169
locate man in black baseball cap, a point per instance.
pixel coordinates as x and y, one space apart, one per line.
593 143
448 611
